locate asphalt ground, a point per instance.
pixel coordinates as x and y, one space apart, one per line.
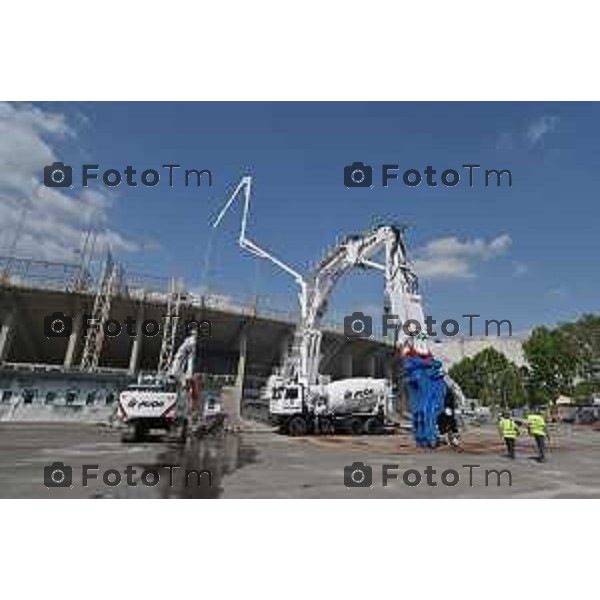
260 463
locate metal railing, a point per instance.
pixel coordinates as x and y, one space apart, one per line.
71 277
45 274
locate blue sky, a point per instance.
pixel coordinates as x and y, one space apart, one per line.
526 253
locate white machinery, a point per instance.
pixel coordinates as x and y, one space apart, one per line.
300 398
166 401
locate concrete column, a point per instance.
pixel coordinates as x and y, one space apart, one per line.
7 335
232 397
284 346
347 363
241 366
388 368
372 365
138 340
73 339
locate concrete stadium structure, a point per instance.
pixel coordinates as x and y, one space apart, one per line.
246 342
453 350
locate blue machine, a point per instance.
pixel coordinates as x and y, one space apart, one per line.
427 390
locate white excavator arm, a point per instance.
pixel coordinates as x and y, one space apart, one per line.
182 365
359 251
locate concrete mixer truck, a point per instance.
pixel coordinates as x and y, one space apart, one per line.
355 405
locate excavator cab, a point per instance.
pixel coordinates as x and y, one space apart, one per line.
286 399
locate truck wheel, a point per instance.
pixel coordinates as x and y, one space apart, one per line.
355 426
128 436
139 432
183 432
297 426
326 427
373 426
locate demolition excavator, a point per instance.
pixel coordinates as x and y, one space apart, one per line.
168 401
301 399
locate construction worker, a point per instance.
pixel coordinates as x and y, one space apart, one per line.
509 432
537 430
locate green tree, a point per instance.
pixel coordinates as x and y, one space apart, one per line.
584 335
555 359
563 360
463 373
491 378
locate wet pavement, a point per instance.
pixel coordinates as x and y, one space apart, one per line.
259 463
87 454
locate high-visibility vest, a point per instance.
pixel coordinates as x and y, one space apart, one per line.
508 428
537 425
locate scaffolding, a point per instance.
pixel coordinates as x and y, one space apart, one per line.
171 320
94 338
44 274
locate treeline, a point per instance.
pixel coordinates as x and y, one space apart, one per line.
563 360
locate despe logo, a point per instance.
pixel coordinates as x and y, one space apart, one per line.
145 403
60 175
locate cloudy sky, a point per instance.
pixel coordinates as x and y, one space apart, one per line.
45 222
525 253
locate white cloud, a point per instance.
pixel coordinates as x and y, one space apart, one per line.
529 137
558 293
443 268
539 128
50 223
451 258
520 269
505 142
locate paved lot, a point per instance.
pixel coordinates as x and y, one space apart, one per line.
261 464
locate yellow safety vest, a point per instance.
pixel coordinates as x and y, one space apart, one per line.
508 428
537 425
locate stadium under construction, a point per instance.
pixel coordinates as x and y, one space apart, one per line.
77 372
